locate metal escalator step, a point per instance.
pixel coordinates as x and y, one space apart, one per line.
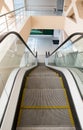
45 118
42 70
44 82
43 74
45 128
39 68
44 97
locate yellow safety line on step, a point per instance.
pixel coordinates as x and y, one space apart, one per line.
20 113
65 94
24 91
61 81
71 117
26 82
67 103
31 72
19 117
69 110
23 95
57 74
45 107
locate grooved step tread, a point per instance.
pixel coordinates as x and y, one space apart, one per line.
44 82
44 97
45 128
43 73
45 117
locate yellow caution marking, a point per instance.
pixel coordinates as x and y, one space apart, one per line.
22 101
69 110
57 74
65 94
71 118
32 71
26 82
61 81
19 117
67 103
23 96
45 107
24 90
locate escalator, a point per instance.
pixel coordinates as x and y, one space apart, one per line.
44 96
44 102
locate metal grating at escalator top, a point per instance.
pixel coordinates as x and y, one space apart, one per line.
44 102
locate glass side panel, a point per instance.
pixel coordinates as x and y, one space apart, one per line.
70 56
13 54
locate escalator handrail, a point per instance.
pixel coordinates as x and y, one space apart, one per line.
77 33
19 36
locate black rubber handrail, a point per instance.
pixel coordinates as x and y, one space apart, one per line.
72 35
11 11
19 36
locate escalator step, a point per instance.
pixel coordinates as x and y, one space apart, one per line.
45 128
44 82
44 97
43 74
45 117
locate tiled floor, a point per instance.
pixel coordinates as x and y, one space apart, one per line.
44 12
41 44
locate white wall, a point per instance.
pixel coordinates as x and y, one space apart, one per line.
6 6
48 22
74 24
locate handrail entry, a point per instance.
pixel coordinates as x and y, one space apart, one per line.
77 33
19 36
